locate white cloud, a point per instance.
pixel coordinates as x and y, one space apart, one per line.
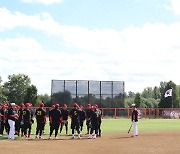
174 6
45 2
142 56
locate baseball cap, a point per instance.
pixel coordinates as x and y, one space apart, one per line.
27 105
41 105
75 105
57 106
133 105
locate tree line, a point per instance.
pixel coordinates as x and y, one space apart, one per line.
19 89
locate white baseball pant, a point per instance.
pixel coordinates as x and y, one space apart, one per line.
12 129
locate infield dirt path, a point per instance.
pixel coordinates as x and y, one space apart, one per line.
145 143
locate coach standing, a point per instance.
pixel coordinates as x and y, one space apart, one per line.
134 119
11 116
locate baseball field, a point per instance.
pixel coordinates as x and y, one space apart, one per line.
156 136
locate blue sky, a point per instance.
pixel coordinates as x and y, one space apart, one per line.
136 41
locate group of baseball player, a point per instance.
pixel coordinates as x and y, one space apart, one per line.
18 120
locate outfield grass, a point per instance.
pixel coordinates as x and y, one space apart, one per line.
122 125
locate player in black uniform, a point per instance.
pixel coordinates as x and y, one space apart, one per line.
55 116
40 119
94 122
2 119
27 120
75 122
82 116
64 119
20 120
88 118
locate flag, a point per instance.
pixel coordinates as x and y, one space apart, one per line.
168 93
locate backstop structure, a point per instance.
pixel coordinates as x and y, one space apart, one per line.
104 93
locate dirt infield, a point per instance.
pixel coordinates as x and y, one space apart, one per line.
146 142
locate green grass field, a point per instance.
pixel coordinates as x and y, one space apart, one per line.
122 125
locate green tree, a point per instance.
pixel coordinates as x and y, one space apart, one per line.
31 95
137 100
168 102
3 98
131 94
157 93
15 89
62 98
45 98
147 92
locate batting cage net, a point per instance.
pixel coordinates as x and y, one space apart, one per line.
103 93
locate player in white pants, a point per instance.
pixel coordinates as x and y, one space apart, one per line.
11 120
134 119
12 129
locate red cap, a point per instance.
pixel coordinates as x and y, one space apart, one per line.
95 106
53 106
75 105
89 105
41 105
27 105
22 105
57 106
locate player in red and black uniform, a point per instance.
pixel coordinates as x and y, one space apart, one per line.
55 116
50 115
75 122
2 119
20 119
94 122
82 115
27 120
40 119
7 127
64 119
88 118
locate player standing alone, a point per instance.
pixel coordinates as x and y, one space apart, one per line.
40 119
134 118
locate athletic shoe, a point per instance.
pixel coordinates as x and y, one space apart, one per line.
90 137
49 137
79 137
94 137
36 137
72 137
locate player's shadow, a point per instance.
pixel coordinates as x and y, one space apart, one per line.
121 137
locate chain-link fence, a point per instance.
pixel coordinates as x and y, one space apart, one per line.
103 93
